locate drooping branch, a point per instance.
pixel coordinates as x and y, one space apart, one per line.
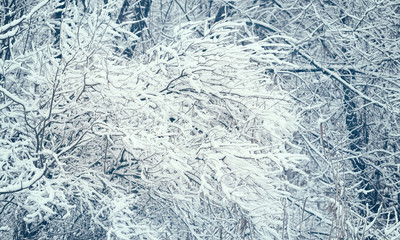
24 185
327 71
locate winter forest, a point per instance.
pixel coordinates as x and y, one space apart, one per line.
199 119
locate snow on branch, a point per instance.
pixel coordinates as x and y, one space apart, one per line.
36 176
16 22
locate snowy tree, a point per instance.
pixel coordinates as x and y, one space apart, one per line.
167 119
187 138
